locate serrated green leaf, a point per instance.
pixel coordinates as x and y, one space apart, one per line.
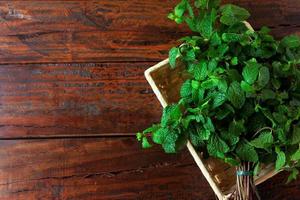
246 152
209 125
247 87
217 147
171 114
250 72
159 136
236 95
186 89
203 133
295 138
231 37
222 85
145 143
195 84
296 156
236 128
263 76
231 161
169 144
200 71
280 160
229 138
210 83
263 141
195 139
231 14
172 56
291 41
205 27
215 39
218 99
180 8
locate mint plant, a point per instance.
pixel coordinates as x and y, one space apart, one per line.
241 103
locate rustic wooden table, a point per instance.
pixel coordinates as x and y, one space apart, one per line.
72 96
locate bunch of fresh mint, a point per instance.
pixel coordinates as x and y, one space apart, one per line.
242 101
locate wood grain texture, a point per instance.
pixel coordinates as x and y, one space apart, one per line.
96 169
74 99
105 31
108 169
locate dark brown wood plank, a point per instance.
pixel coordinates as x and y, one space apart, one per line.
109 169
74 99
277 189
96 169
104 31
85 31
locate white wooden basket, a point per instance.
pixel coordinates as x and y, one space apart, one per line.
166 82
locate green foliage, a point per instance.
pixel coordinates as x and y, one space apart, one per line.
232 14
241 101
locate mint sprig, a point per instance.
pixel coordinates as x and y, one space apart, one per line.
242 100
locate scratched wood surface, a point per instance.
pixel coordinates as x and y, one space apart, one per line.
74 68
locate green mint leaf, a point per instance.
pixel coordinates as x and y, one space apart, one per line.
209 125
232 14
210 83
246 152
180 8
229 138
205 27
236 128
186 89
191 23
291 41
145 143
231 37
139 136
172 56
171 114
250 72
217 147
222 85
247 87
159 136
195 84
200 71
280 160
203 134
267 94
236 95
231 161
263 76
296 156
256 169
295 138
212 65
234 61
218 99
201 4
169 144
152 128
215 39
264 140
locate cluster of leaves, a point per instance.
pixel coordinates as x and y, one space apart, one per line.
242 100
